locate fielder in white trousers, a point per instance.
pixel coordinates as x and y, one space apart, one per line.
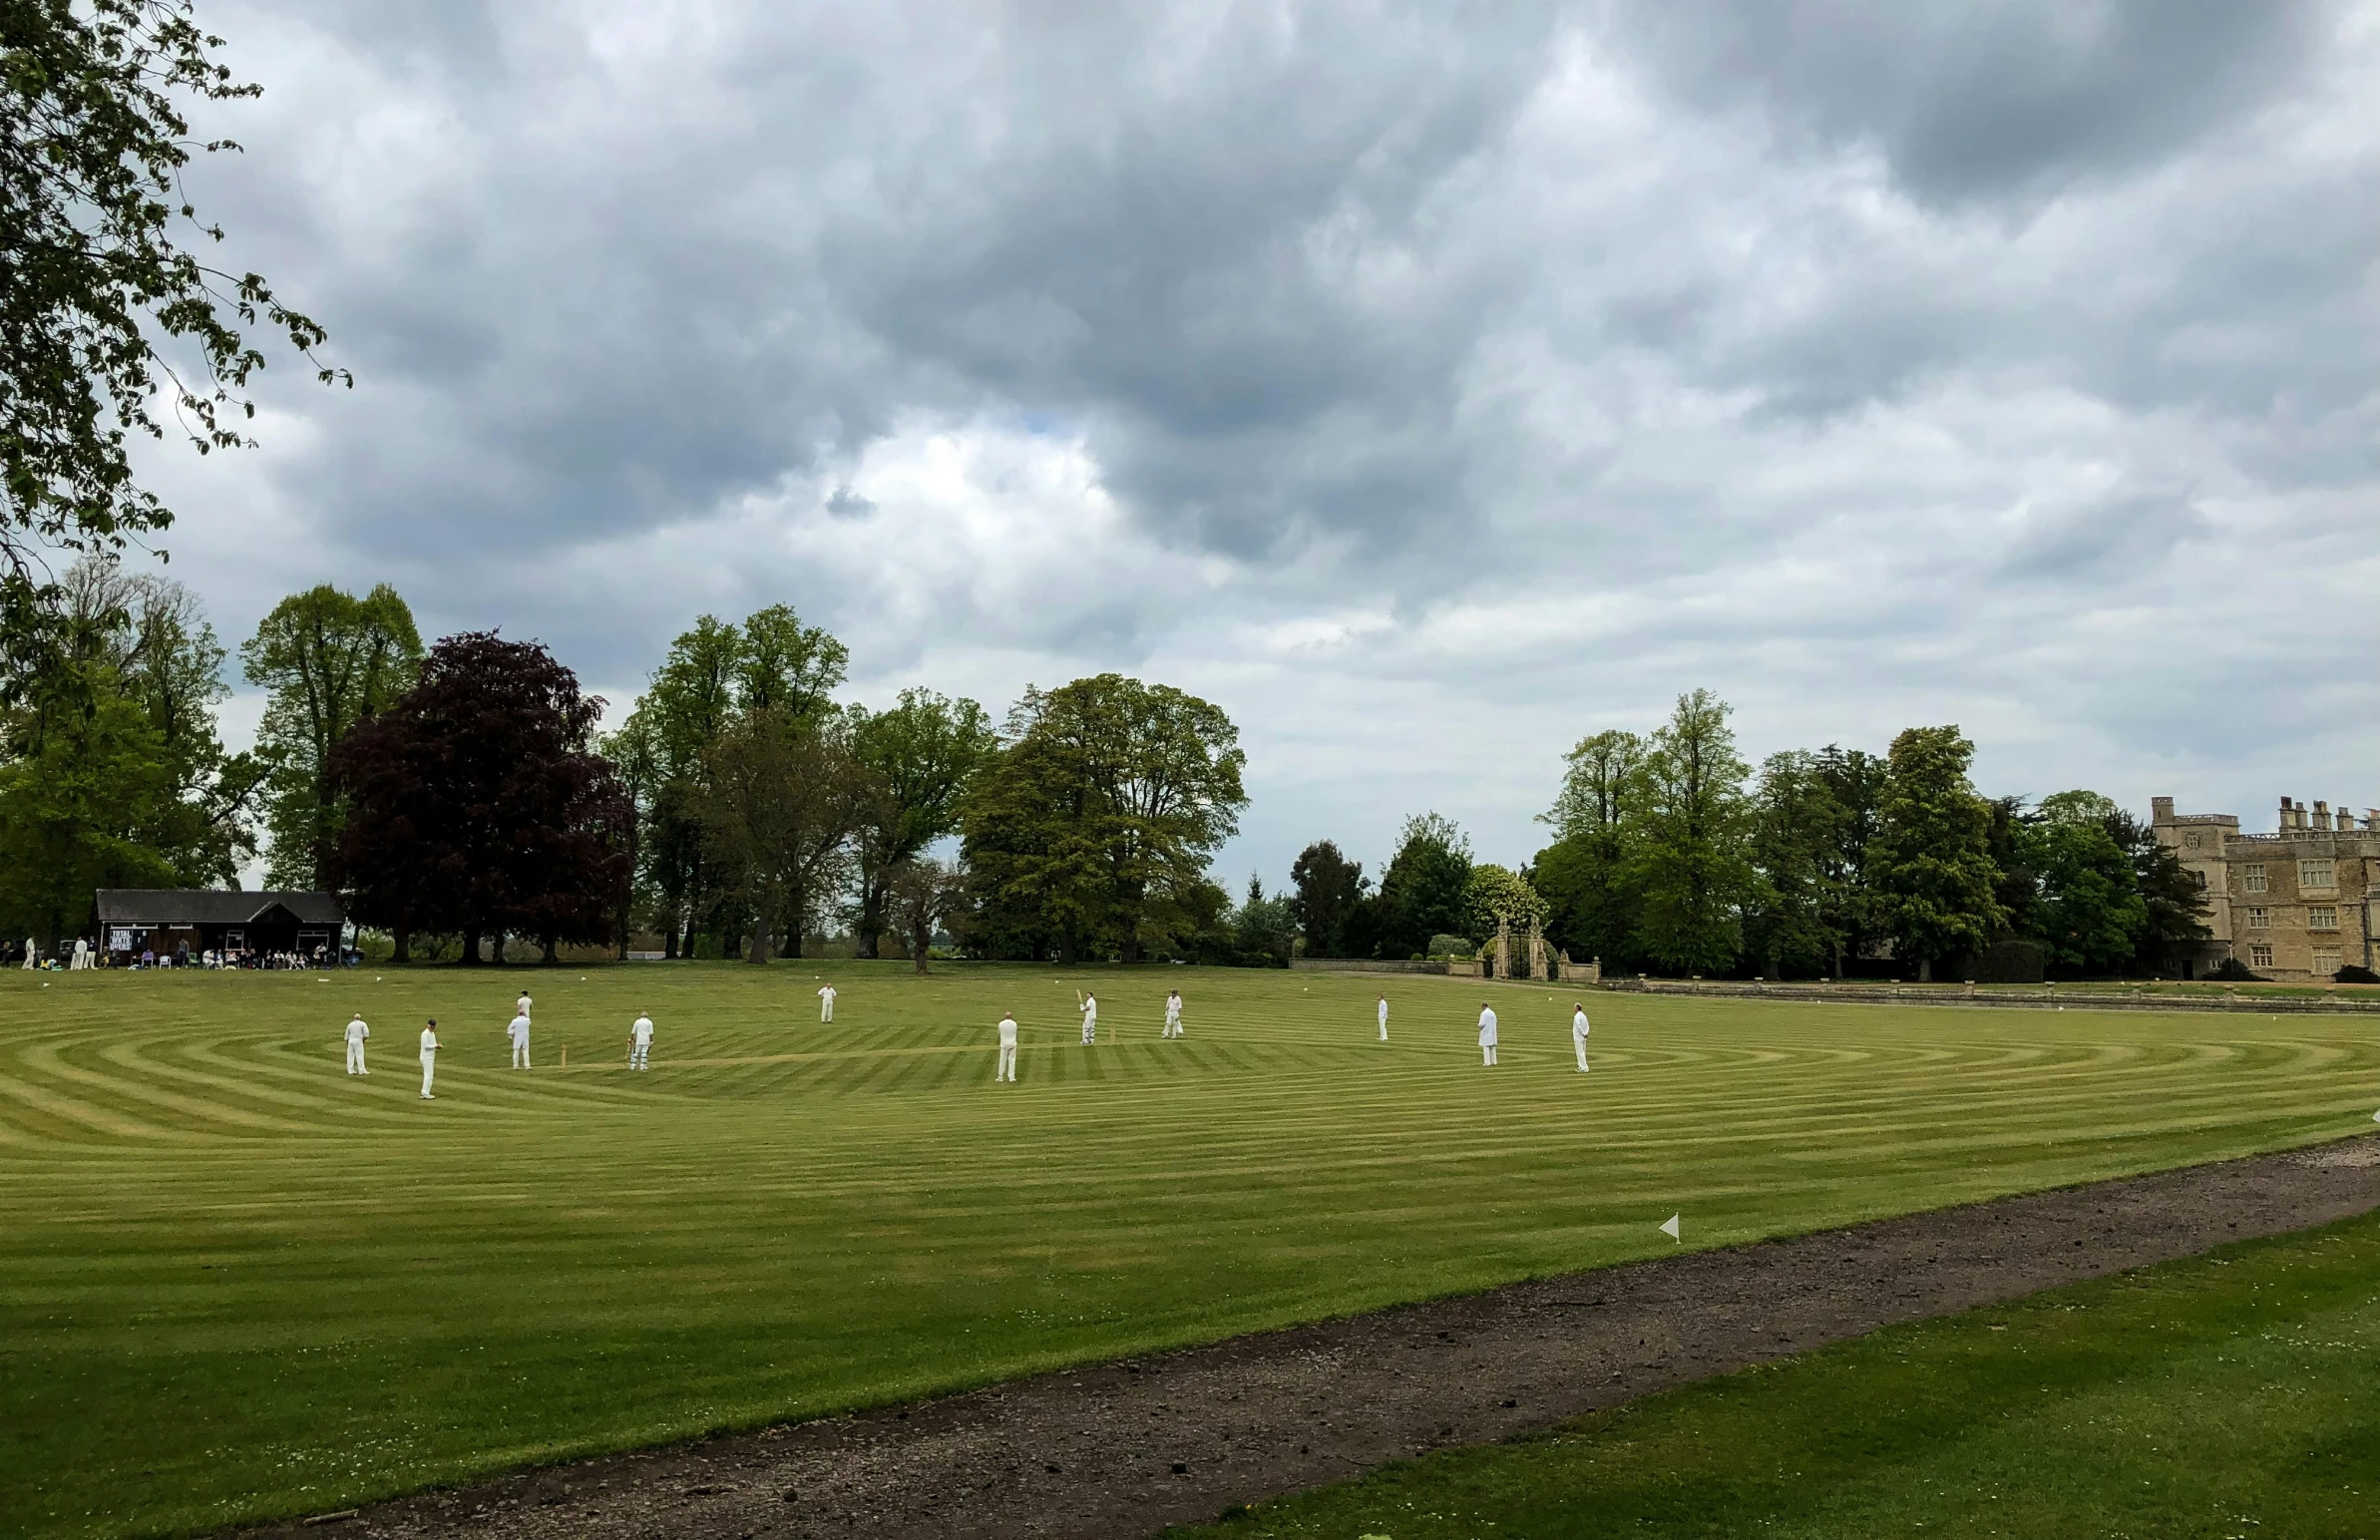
1173 1014
429 1058
518 1033
639 1041
826 1004
1383 1018
1578 1035
1487 1036
1007 1069
1090 1019
356 1033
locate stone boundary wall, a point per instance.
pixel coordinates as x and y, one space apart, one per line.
1376 966
2048 998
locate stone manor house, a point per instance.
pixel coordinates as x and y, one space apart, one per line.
2296 904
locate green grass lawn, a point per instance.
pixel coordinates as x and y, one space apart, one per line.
237 1283
2225 1397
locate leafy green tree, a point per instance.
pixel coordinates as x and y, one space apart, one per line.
1264 928
327 662
1427 888
1797 841
2172 897
1931 860
94 281
635 758
786 669
1095 822
1328 888
2090 912
1692 867
1848 904
111 772
917 762
1586 873
779 806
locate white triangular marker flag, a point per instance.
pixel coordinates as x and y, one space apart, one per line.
1670 1228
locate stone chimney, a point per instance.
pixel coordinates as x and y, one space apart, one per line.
2287 821
2322 816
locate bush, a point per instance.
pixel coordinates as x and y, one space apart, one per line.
2010 962
1449 947
2355 972
2233 971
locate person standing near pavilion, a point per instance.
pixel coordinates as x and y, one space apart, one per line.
356 1033
1383 1018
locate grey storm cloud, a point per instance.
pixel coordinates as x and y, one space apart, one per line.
1514 367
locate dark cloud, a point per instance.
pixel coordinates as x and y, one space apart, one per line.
1506 371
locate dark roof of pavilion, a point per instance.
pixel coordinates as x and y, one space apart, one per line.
214 905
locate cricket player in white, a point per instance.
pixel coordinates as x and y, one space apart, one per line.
521 1005
1487 1035
429 1057
826 1004
32 954
1578 1035
640 1040
356 1033
1090 1019
518 1033
1383 1018
1173 1014
1007 1069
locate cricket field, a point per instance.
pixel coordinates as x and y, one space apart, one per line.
238 1283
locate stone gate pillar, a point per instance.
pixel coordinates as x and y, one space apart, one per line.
1537 968
1503 948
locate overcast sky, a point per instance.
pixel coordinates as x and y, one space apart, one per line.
1428 387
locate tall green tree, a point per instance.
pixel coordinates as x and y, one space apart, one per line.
1327 887
1426 890
2090 907
111 771
917 762
327 662
1797 839
1931 860
779 806
1097 818
1586 874
1849 906
101 274
1692 867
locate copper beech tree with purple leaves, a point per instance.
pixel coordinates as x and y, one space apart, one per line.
480 808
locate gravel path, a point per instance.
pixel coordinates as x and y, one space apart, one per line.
1127 1448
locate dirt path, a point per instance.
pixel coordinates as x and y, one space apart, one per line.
1126 1449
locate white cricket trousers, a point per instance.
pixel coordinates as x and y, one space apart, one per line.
1090 1033
826 1010
1488 1054
636 1054
521 1054
1007 1062
1580 1044
429 1070
356 1059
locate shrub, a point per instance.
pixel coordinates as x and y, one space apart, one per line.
2355 972
1450 946
2010 962
2233 971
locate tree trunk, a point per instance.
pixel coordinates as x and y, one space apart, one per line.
471 948
921 936
403 937
759 954
687 950
548 941
1925 970
498 947
670 942
1065 944
797 901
